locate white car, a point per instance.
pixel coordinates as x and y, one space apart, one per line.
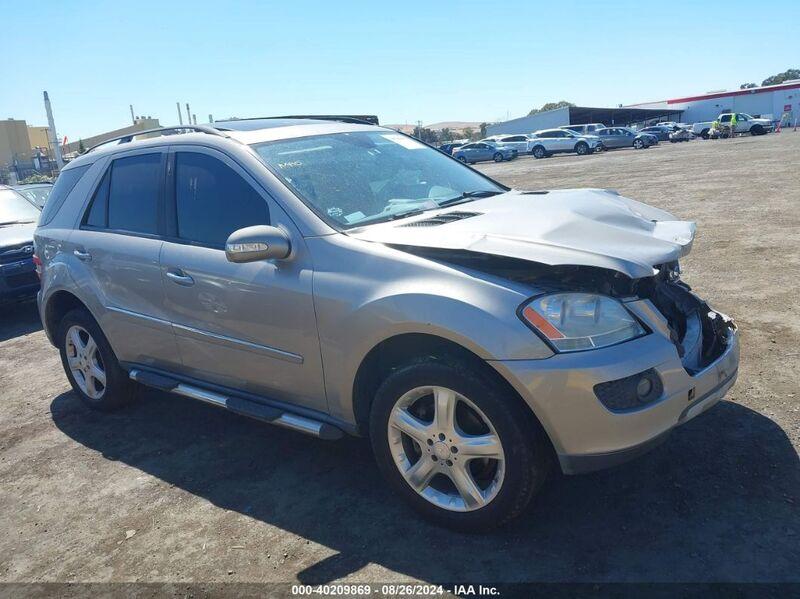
744 124
547 142
521 143
587 129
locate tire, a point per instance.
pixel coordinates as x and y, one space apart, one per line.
462 159
581 148
704 134
757 130
85 355
494 491
638 144
539 152
498 157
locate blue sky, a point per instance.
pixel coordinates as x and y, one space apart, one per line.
402 60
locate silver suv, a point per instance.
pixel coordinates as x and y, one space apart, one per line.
337 277
547 142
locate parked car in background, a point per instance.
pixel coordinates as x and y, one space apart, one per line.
622 137
18 217
342 278
660 131
587 129
521 143
35 192
673 125
744 124
547 142
450 146
680 135
480 151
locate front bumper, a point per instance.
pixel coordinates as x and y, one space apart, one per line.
18 280
588 436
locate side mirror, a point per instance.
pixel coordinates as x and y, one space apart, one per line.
260 242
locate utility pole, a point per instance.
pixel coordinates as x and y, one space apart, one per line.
194 119
188 115
210 119
180 116
53 135
133 118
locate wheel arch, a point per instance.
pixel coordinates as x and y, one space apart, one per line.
56 306
399 350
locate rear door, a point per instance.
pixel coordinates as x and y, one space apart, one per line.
117 247
250 327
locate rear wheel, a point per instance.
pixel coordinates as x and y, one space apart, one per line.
498 157
582 148
90 364
456 447
539 152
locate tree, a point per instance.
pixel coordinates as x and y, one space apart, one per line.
81 147
469 133
426 135
781 77
484 126
36 178
446 135
747 86
551 106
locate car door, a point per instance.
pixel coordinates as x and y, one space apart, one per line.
117 246
482 151
249 327
742 123
564 141
620 138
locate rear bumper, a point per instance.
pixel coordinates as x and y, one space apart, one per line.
588 436
18 280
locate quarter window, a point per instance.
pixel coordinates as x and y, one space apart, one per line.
212 200
66 181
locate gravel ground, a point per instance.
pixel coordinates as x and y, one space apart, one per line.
172 490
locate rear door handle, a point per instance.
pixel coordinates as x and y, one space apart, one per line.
82 255
180 278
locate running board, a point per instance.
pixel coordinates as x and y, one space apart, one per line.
245 407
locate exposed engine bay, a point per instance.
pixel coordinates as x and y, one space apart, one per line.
699 333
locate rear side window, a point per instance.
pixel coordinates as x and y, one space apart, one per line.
133 194
66 181
212 200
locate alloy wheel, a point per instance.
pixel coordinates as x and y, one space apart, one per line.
446 448
85 362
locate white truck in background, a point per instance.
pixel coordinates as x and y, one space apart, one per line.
744 124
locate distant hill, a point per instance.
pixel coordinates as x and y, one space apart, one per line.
452 125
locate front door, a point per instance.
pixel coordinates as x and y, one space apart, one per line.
117 249
250 327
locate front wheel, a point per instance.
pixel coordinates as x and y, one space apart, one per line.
638 144
757 130
539 152
462 159
458 448
581 149
498 157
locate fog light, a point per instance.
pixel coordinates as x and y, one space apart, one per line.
630 393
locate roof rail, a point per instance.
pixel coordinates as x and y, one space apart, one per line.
362 119
129 136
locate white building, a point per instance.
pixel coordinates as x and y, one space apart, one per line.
772 101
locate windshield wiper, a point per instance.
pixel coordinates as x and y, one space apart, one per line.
468 196
16 222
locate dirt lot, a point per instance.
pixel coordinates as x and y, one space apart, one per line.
172 490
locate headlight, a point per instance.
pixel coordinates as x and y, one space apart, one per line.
580 321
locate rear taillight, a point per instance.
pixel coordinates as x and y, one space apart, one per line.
37 262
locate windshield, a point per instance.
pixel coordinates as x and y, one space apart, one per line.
16 209
369 176
37 195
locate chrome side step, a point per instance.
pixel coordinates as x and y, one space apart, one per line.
245 407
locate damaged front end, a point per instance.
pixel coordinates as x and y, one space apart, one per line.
699 333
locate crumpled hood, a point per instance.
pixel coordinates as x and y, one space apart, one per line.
11 235
587 227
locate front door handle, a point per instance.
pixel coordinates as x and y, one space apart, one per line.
180 278
82 255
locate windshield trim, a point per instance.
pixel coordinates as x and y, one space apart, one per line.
342 227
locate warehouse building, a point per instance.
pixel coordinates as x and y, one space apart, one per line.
775 102
580 115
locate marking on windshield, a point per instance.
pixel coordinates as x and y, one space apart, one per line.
402 140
